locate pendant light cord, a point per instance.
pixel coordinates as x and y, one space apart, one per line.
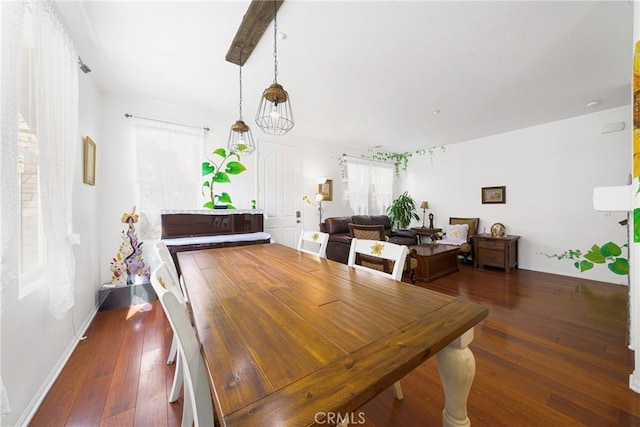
275 42
240 73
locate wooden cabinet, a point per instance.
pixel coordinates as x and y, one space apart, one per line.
495 251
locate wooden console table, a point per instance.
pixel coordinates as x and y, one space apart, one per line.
495 251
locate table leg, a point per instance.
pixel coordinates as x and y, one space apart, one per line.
457 367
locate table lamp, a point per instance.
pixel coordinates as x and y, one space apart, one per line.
424 206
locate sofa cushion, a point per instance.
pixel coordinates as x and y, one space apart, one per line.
336 225
340 238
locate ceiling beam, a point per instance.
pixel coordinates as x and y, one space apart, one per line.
254 23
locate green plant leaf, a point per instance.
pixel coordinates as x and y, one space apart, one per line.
610 249
619 266
224 197
221 177
207 168
636 225
595 257
220 152
230 207
206 184
584 265
208 205
234 168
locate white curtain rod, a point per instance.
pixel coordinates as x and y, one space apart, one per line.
128 116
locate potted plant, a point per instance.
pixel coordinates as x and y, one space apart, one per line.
402 210
220 174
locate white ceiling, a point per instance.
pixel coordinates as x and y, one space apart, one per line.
370 73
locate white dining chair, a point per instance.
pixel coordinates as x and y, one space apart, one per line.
197 408
314 238
163 255
162 252
162 282
382 250
379 249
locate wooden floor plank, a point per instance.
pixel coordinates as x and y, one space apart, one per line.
551 352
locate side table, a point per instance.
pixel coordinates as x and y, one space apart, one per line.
495 251
423 231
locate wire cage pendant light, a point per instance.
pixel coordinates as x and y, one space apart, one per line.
240 137
274 112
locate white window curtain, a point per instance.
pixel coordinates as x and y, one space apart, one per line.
382 187
168 170
11 18
59 142
369 184
358 184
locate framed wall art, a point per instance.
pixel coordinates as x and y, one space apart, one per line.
326 189
89 161
494 194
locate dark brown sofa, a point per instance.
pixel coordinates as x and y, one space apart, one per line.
340 238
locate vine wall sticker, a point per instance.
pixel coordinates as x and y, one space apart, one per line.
219 175
610 254
400 160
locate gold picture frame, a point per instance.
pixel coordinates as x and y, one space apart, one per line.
89 176
494 194
326 189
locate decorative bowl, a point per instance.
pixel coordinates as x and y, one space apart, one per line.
497 230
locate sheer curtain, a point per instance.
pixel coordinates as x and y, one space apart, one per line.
369 184
11 16
58 139
358 184
168 170
382 186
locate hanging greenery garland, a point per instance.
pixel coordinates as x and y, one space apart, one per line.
400 160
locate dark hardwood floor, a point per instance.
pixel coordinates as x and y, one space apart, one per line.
552 352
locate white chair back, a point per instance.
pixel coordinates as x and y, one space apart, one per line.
164 255
197 408
379 249
162 282
316 238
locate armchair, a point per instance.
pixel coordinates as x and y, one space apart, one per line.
465 242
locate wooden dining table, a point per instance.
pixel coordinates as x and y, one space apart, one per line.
292 339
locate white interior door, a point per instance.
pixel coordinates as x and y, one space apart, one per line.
279 190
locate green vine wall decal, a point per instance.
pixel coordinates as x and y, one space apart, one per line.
400 160
220 174
609 253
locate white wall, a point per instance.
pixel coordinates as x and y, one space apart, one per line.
550 172
34 344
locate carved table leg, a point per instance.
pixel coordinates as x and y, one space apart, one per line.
457 367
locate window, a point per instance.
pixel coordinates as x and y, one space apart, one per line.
168 167
370 185
32 247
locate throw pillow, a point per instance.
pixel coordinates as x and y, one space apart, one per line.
457 233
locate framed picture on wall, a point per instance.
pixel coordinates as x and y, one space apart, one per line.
89 161
326 189
494 194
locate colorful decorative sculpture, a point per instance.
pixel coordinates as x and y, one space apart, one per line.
128 266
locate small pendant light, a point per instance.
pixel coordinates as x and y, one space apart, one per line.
274 113
240 137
